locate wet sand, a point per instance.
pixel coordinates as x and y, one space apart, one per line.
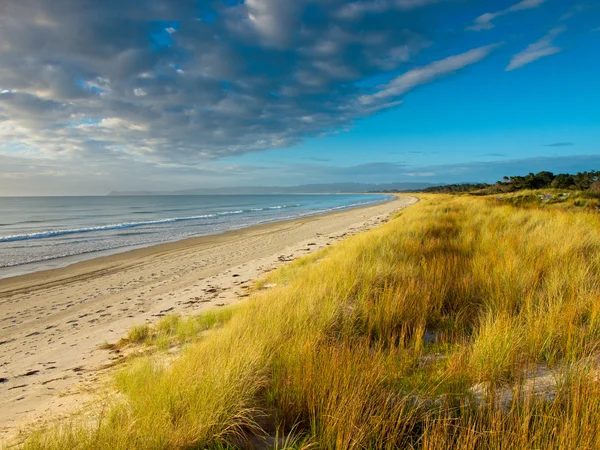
53 323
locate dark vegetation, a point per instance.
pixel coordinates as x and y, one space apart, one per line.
581 181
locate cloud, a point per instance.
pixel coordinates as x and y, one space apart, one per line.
560 144
116 94
526 4
317 159
540 49
420 174
422 75
186 82
484 22
357 9
19 176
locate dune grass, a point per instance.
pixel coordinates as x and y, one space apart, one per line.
173 330
412 335
551 198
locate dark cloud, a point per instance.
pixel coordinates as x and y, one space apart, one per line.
188 81
560 144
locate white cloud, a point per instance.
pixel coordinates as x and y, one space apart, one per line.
422 75
526 4
484 22
420 174
114 123
540 49
357 9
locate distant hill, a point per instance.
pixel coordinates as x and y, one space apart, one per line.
334 188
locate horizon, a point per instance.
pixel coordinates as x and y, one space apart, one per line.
117 96
394 187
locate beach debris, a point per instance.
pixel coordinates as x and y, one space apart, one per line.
30 373
18 387
3 380
53 380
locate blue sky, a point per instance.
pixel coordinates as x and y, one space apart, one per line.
177 95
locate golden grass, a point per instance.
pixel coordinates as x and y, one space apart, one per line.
412 335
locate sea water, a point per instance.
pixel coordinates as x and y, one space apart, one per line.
39 233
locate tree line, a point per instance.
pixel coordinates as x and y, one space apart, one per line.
581 181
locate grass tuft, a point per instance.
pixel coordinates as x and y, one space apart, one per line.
138 334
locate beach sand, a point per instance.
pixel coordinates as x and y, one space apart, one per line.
53 323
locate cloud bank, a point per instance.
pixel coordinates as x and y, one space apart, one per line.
100 95
189 81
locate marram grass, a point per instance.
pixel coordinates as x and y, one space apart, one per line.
424 333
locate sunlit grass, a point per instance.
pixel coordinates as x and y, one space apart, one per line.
138 334
385 341
173 330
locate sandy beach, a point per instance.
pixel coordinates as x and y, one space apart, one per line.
53 323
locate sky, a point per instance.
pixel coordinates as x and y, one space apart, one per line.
101 95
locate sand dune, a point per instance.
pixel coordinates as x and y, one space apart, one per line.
52 323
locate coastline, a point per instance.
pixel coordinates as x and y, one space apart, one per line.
54 321
66 261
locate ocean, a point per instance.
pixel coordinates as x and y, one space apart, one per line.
38 233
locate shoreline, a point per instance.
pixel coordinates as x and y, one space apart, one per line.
53 322
61 262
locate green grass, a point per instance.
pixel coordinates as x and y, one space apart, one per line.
334 356
173 330
552 198
139 333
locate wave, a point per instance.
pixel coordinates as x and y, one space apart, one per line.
119 226
129 225
97 243
116 226
275 207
